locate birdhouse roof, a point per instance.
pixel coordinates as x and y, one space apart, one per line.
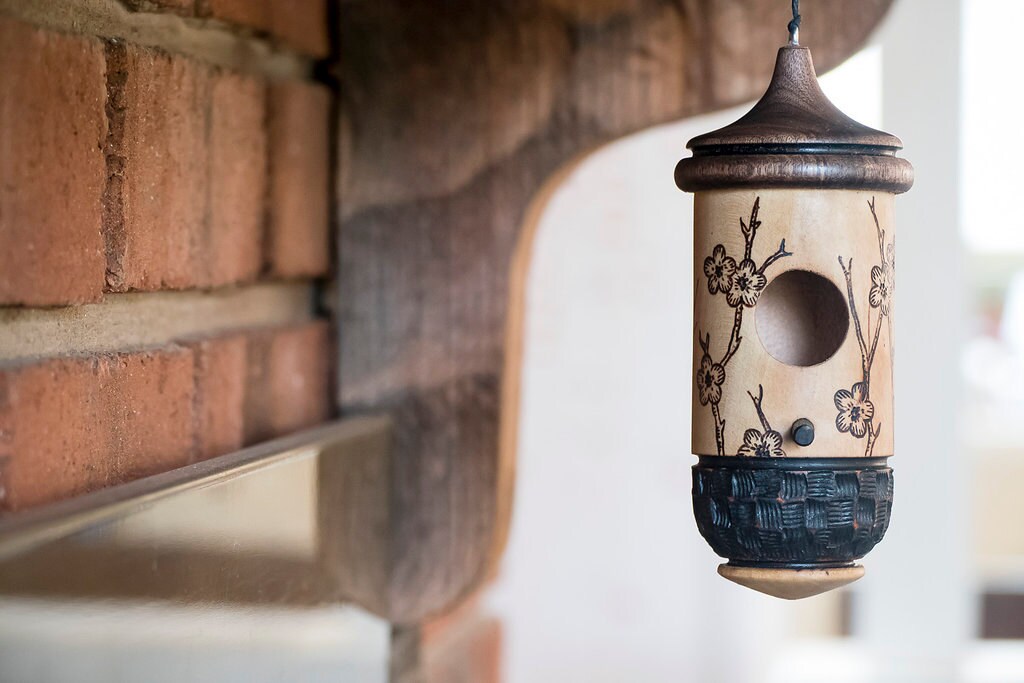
795 137
794 112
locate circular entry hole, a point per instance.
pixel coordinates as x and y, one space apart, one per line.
801 318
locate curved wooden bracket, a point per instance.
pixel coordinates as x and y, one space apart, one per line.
454 119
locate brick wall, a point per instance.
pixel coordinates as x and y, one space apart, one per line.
161 162
461 647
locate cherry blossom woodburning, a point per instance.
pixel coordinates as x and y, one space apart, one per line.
793 336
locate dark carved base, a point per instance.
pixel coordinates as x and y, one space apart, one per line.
792 512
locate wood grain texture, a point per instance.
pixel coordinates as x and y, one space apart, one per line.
817 229
795 111
454 119
795 137
807 171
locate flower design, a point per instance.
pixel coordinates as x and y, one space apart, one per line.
880 295
747 285
742 285
766 444
710 378
855 410
719 269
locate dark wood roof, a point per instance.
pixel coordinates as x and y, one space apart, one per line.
794 112
795 137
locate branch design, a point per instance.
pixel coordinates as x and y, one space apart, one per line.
856 411
761 444
742 284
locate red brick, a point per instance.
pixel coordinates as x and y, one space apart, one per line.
289 380
185 8
297 240
298 24
185 206
301 25
52 171
156 203
72 425
220 376
238 180
465 650
254 14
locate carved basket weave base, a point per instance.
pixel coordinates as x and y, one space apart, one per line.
794 512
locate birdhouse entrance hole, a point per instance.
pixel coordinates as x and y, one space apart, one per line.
801 318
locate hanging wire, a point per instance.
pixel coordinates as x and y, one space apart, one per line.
794 25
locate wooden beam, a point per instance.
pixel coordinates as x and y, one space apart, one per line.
455 118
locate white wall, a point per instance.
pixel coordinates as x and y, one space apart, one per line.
606 577
917 611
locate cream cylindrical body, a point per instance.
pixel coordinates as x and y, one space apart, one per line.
785 277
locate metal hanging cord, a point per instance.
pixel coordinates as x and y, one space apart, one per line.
794 25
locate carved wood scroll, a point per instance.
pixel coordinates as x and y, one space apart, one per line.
453 117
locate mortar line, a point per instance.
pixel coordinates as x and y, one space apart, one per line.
139 320
206 40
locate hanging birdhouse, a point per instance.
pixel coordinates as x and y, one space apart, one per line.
793 335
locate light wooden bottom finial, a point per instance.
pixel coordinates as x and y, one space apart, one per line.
791 584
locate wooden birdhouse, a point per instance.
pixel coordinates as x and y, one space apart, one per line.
794 261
